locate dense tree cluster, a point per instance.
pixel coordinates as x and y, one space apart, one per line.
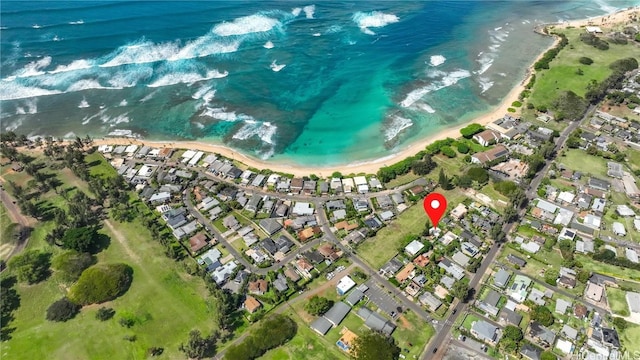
597 91
593 40
470 130
32 266
198 346
70 264
375 346
542 315
271 333
551 54
318 305
101 283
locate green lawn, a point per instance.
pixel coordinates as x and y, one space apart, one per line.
306 345
401 180
579 160
100 167
606 269
630 338
617 301
7 227
415 332
562 75
378 250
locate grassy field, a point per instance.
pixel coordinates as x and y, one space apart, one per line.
579 160
562 75
165 302
617 301
606 269
630 338
8 229
378 250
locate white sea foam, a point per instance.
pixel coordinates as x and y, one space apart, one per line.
130 76
198 125
246 25
113 121
208 96
124 102
373 19
333 29
34 68
316 34
88 119
87 84
11 90
140 53
221 114
56 38
296 11
605 6
14 125
83 104
268 45
447 79
148 96
201 91
275 67
393 128
73 66
426 107
36 26
498 28
485 61
187 78
436 60
69 135
309 10
485 84
123 133
263 130
78 22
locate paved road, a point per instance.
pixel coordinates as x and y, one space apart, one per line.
444 333
16 217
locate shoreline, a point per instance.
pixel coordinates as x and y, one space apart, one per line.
372 166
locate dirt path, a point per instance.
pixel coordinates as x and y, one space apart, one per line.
23 222
123 241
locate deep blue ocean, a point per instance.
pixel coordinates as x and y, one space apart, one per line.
322 83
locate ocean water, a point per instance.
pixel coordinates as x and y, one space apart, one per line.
323 83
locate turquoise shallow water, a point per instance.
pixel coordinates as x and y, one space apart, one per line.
313 84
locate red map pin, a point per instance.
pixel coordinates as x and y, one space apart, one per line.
435 205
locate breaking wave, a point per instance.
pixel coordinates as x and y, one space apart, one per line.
373 19
186 78
446 79
393 128
265 131
309 11
275 67
436 60
246 25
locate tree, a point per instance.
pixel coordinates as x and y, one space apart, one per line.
198 347
9 302
585 60
478 174
32 266
542 315
620 323
101 283
62 310
583 276
318 305
461 289
424 166
105 313
71 264
550 276
444 181
511 338
465 181
468 131
375 346
463 148
272 332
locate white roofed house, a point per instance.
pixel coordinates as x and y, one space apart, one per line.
361 184
413 248
618 229
348 185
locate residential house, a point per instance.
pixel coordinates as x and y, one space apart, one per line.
344 285
599 184
258 287
405 272
390 268
531 352
501 278
337 313
354 297
280 283
321 325
222 273
541 334
413 248
304 267
452 269
594 291
490 156
251 304
197 242
487 137
270 226
490 303
430 301
376 322
515 260
519 289
485 331
569 332
296 185
509 317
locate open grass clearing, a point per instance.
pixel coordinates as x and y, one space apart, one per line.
630 337
610 270
563 76
579 160
379 249
617 301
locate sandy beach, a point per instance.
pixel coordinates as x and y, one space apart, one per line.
371 167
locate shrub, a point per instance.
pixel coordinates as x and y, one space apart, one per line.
585 60
101 283
505 188
463 148
516 104
448 152
511 110
478 174
71 264
272 332
32 266
84 239
470 130
624 65
318 305
62 310
105 313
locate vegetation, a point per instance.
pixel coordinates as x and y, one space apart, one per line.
62 310
105 313
32 266
510 341
620 323
544 61
9 302
585 60
70 264
375 346
82 239
470 130
596 42
271 333
609 257
548 355
569 106
550 276
542 315
318 305
506 188
101 283
198 347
